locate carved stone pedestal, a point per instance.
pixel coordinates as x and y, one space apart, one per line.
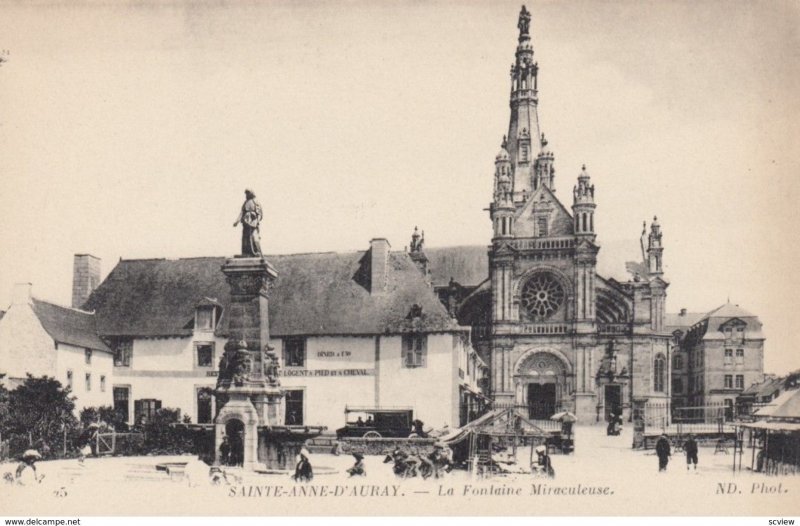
250 397
248 388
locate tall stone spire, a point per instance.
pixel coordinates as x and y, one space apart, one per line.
524 136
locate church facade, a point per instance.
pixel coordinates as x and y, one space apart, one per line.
557 335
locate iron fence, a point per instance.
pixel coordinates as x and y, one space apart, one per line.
710 418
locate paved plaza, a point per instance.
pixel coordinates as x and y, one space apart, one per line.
600 464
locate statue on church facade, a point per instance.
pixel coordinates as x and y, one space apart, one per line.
250 218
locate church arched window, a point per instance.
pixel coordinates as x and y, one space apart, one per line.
659 373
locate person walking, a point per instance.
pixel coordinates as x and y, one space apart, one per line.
303 471
664 451
690 447
26 470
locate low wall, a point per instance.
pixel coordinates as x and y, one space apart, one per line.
379 446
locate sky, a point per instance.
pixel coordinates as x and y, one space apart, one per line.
131 130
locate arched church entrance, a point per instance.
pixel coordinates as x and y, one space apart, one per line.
541 383
234 430
541 400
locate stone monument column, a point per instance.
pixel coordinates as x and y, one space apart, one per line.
249 394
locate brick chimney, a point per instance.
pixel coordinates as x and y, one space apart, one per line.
85 278
21 294
379 265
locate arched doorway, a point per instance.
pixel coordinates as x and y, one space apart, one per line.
541 380
234 430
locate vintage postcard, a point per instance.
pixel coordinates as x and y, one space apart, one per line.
399 258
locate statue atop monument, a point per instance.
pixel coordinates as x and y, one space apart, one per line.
524 22
250 218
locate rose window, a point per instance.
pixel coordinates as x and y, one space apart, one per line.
541 296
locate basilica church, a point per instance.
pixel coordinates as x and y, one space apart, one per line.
557 335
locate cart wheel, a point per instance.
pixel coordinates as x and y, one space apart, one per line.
372 434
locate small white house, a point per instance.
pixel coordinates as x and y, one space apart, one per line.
42 338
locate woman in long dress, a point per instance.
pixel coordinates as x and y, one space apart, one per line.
250 218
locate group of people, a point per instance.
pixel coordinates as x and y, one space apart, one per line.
231 451
434 464
664 452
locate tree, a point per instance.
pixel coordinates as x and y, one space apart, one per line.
40 412
4 419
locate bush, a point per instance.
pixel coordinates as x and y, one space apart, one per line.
162 437
38 414
106 416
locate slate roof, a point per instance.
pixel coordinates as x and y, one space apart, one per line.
315 294
713 320
468 265
70 326
717 317
676 321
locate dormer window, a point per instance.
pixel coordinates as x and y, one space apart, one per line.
204 319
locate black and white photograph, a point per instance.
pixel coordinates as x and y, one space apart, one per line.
399 258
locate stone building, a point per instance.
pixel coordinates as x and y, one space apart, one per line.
717 356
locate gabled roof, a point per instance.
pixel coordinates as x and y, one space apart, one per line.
70 326
322 293
560 224
498 422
